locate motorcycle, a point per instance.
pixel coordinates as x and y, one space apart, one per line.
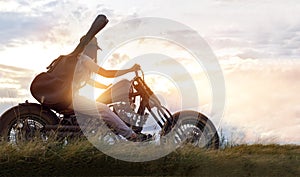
30 121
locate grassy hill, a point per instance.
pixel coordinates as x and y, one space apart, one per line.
82 159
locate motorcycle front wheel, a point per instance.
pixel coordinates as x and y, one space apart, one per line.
191 127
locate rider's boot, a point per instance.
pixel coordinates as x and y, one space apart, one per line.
140 137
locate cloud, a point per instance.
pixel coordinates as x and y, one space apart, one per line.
8 93
28 21
15 27
259 43
35 21
246 25
14 85
251 53
262 101
60 22
271 29
262 98
117 60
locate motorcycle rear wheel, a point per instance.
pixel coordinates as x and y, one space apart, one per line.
25 122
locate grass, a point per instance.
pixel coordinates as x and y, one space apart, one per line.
80 158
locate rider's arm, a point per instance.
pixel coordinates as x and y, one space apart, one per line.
97 84
114 73
109 73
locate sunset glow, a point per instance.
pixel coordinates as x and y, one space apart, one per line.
256 44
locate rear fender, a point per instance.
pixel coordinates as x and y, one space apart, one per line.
28 108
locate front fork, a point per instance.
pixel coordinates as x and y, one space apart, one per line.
149 101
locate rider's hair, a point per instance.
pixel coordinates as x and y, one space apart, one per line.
91 49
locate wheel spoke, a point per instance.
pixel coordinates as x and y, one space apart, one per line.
27 129
192 131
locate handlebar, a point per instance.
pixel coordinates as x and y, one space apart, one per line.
137 73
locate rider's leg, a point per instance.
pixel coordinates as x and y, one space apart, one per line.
111 119
96 110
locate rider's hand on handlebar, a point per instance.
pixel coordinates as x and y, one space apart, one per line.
136 67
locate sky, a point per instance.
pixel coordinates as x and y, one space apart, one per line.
255 42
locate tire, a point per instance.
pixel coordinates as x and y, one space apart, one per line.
191 127
25 122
